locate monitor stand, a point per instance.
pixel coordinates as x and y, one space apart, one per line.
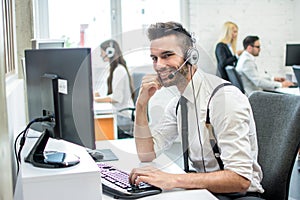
51 159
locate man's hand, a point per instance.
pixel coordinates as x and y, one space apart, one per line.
150 84
153 176
287 83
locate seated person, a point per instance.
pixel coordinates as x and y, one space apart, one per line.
248 70
236 173
119 89
226 52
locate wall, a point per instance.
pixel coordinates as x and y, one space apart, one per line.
274 21
296 20
6 175
12 101
15 113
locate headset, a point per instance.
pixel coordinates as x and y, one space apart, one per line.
192 54
191 57
110 51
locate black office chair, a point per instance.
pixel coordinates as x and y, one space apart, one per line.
125 129
234 77
277 118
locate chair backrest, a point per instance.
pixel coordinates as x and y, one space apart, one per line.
137 80
277 118
125 125
234 77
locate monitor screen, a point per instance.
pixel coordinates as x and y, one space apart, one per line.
296 70
72 67
292 54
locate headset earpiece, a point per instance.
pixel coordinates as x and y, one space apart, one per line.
110 51
192 56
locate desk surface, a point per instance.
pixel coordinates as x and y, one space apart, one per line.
126 152
81 181
294 91
103 108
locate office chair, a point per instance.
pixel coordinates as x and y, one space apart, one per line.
277 118
234 77
126 129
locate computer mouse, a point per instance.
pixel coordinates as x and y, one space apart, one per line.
96 155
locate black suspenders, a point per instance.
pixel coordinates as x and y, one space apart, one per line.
212 137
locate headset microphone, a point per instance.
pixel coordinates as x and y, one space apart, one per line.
171 76
192 56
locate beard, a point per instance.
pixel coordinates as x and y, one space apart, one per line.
179 78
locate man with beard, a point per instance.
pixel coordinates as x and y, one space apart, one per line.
236 172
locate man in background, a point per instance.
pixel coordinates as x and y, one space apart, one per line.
247 68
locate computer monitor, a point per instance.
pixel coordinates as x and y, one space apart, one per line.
65 76
296 69
292 56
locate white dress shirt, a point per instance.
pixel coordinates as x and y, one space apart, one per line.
233 123
121 90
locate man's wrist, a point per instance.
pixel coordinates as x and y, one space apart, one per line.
142 132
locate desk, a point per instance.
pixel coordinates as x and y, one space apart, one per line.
126 152
78 182
105 122
294 91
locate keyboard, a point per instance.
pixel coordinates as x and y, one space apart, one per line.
115 183
294 86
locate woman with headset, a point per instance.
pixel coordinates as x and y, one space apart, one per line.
226 52
118 89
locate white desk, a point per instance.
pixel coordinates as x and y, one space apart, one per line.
83 180
294 91
126 152
78 182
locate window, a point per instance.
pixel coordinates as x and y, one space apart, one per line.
80 23
90 22
8 37
137 15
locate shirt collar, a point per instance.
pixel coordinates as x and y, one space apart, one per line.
249 55
193 87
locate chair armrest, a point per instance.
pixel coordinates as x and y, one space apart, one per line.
132 112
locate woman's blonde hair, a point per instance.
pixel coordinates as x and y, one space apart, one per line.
226 35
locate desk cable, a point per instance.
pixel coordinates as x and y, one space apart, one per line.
23 138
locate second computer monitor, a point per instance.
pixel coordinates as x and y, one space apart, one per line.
292 56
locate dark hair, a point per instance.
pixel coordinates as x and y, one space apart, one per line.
249 40
115 60
161 29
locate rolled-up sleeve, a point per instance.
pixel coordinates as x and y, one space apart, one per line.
235 132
